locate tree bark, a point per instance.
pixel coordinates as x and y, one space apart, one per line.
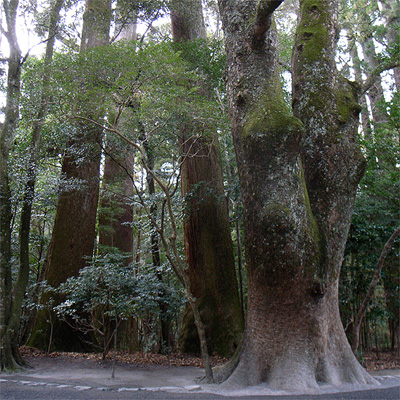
73 234
298 183
208 242
116 214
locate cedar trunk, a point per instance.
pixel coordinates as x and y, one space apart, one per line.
209 252
116 215
73 234
208 242
298 183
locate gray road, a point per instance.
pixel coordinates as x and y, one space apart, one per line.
18 391
65 378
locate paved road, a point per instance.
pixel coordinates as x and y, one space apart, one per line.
65 378
24 391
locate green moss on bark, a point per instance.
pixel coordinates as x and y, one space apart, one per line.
271 116
346 97
313 34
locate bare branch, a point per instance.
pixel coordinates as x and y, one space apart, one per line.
373 77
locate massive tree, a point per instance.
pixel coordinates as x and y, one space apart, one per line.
74 227
299 176
208 243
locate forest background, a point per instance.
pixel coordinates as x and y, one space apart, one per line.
100 203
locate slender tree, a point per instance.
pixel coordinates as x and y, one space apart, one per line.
9 305
74 227
208 242
377 274
298 180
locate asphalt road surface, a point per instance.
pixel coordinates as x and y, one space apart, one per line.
65 378
20 391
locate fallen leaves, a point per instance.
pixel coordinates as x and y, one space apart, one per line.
137 358
375 361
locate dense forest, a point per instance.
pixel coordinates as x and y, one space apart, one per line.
204 177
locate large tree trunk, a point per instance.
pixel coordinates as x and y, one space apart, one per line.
208 242
298 187
73 235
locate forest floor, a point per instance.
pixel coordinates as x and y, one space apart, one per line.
371 360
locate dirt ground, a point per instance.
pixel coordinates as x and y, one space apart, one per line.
371 361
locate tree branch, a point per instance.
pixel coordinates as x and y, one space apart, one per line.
264 11
372 78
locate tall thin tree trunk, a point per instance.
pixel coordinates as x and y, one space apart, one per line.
165 321
9 304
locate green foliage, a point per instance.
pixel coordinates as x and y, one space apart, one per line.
109 290
376 215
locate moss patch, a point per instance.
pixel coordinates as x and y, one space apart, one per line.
270 116
347 100
313 35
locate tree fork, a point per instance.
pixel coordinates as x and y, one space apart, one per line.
296 210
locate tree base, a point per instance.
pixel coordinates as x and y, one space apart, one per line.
10 358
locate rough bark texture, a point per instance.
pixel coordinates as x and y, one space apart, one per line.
74 226
298 187
187 20
116 215
208 243
209 252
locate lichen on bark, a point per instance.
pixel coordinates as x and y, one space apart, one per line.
298 183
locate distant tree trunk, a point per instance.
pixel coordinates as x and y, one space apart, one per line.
74 227
391 283
165 320
392 15
9 304
375 93
365 120
116 213
116 210
208 242
298 186
377 274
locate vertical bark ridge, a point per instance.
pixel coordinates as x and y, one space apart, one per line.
208 243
